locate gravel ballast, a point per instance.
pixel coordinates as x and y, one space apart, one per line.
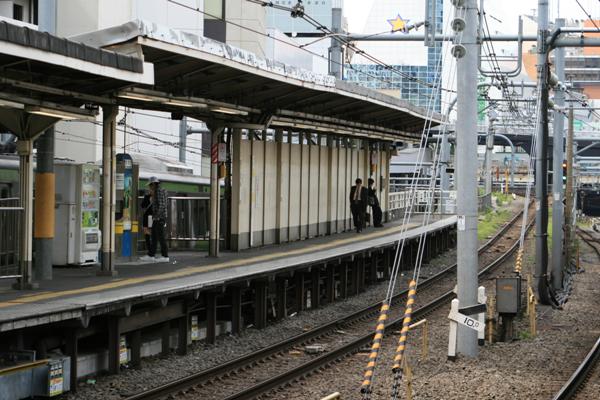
156 371
528 368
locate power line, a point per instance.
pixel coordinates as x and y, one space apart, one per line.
350 45
588 14
299 47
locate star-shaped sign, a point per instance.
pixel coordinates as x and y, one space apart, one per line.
398 24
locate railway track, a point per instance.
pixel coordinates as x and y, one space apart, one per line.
269 368
589 240
589 369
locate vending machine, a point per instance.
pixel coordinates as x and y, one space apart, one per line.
77 232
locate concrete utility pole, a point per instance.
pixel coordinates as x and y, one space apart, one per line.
466 164
336 54
183 132
557 172
569 185
541 162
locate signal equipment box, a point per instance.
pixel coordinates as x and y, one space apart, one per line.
508 295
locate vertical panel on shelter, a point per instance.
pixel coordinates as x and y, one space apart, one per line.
332 202
305 190
270 192
353 168
284 189
241 197
295 187
258 181
384 180
313 177
323 219
342 172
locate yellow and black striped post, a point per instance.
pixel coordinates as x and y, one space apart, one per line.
412 292
397 367
519 262
368 376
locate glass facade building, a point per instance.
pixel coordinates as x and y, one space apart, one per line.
414 66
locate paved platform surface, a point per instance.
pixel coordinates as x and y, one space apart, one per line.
77 291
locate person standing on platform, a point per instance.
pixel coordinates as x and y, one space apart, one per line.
159 220
374 203
358 204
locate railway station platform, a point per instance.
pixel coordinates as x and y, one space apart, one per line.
96 323
75 291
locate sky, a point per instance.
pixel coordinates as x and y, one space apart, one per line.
506 11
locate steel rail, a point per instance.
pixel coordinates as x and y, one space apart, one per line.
251 358
350 348
589 240
579 377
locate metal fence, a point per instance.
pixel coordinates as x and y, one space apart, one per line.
10 216
188 222
400 201
188 218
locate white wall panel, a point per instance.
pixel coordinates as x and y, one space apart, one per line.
284 198
241 217
309 195
323 189
313 192
342 189
304 191
295 188
334 189
257 191
270 192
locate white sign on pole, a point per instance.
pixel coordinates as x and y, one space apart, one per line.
222 155
461 223
467 321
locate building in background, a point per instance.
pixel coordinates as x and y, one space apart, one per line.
414 66
286 28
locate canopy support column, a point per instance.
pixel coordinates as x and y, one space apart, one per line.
109 170
215 195
25 150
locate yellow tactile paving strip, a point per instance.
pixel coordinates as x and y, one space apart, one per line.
119 283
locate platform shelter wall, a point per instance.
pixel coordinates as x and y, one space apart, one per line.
294 186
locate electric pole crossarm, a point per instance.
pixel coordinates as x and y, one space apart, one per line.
393 37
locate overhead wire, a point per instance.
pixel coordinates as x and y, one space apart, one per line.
412 193
588 15
287 43
348 43
397 368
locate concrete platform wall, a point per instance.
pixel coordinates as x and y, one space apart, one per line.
290 187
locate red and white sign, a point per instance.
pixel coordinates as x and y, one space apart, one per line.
214 153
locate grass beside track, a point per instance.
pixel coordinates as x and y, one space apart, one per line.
491 221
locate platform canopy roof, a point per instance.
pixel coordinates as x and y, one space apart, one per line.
44 77
221 84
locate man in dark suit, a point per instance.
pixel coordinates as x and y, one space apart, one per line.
374 203
358 204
